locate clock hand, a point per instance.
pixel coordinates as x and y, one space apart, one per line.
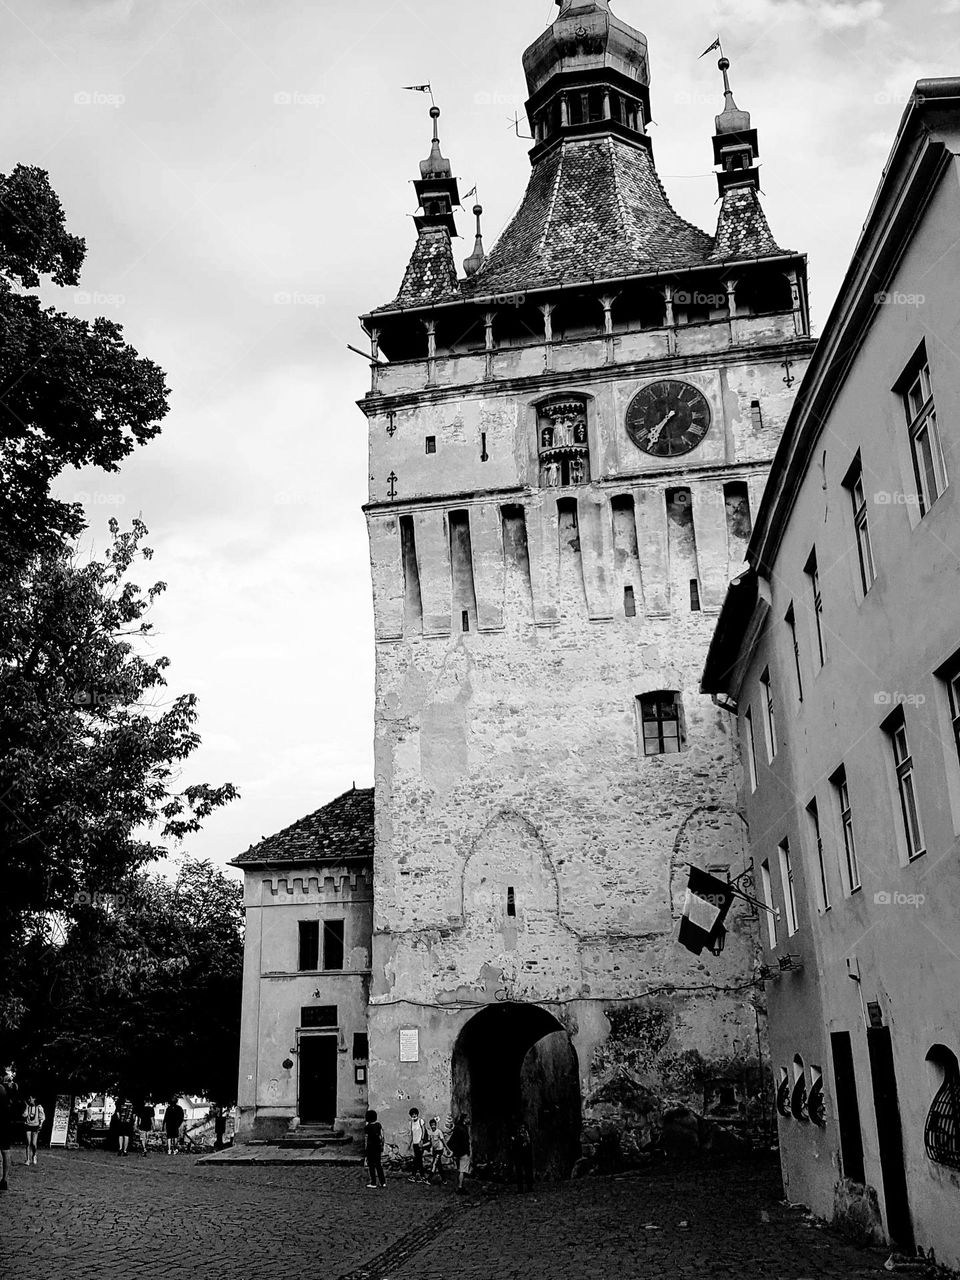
655 431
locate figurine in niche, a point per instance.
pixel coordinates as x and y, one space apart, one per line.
551 475
546 438
580 432
577 471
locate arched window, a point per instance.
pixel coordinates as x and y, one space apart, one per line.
942 1132
798 1098
783 1092
562 444
816 1107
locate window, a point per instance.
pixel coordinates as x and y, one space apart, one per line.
942 1131
751 748
842 792
790 618
929 471
896 729
511 901
769 719
694 596
629 603
813 573
361 1046
318 1015
854 485
951 678
756 415
309 944
333 944
813 813
661 723
431 444
786 881
766 886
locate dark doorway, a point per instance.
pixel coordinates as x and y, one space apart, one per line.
848 1107
318 1079
515 1062
890 1136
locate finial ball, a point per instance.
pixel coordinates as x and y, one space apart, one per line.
478 209
434 113
724 64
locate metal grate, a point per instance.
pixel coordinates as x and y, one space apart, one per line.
942 1133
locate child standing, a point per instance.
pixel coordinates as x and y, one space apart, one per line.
438 1148
33 1118
418 1138
373 1135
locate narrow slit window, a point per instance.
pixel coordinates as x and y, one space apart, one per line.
813 575
766 888
858 501
842 793
751 748
789 892
431 444
756 415
813 813
769 715
629 603
511 901
791 620
465 620
694 596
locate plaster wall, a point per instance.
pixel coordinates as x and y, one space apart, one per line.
899 932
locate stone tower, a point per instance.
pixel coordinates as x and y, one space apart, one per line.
567 441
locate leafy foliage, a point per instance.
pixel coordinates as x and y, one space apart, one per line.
143 995
72 392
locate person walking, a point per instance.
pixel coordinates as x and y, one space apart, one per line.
459 1144
438 1148
521 1149
9 1114
145 1118
373 1150
124 1125
33 1118
173 1119
418 1140
219 1127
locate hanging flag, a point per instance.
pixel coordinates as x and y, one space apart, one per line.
710 48
471 192
417 88
704 911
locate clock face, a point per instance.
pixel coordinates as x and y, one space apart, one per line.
668 418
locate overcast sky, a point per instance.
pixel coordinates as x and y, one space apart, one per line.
241 172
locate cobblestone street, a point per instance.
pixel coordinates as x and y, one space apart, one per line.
87 1214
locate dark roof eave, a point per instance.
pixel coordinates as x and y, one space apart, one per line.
487 299
244 861
726 645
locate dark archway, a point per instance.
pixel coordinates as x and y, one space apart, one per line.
513 1062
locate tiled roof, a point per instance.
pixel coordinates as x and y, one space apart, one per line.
742 229
341 829
431 274
594 209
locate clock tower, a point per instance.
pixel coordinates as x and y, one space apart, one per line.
568 438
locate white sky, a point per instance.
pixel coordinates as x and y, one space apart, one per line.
221 155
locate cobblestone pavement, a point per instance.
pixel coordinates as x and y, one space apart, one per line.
89 1214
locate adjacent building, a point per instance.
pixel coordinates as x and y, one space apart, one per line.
568 440
306 979
839 654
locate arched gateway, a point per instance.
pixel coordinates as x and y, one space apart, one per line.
512 1062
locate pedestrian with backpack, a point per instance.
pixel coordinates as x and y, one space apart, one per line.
373 1151
33 1118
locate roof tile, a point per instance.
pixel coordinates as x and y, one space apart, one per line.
341 829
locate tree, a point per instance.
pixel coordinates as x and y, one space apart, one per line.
87 783
143 995
72 392
88 789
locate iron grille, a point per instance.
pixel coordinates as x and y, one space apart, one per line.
942 1134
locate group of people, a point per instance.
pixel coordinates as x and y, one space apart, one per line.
21 1118
128 1119
428 1141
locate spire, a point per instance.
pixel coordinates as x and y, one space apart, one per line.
473 264
587 76
735 146
437 187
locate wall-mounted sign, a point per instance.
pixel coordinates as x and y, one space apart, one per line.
61 1121
360 1075
409 1044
